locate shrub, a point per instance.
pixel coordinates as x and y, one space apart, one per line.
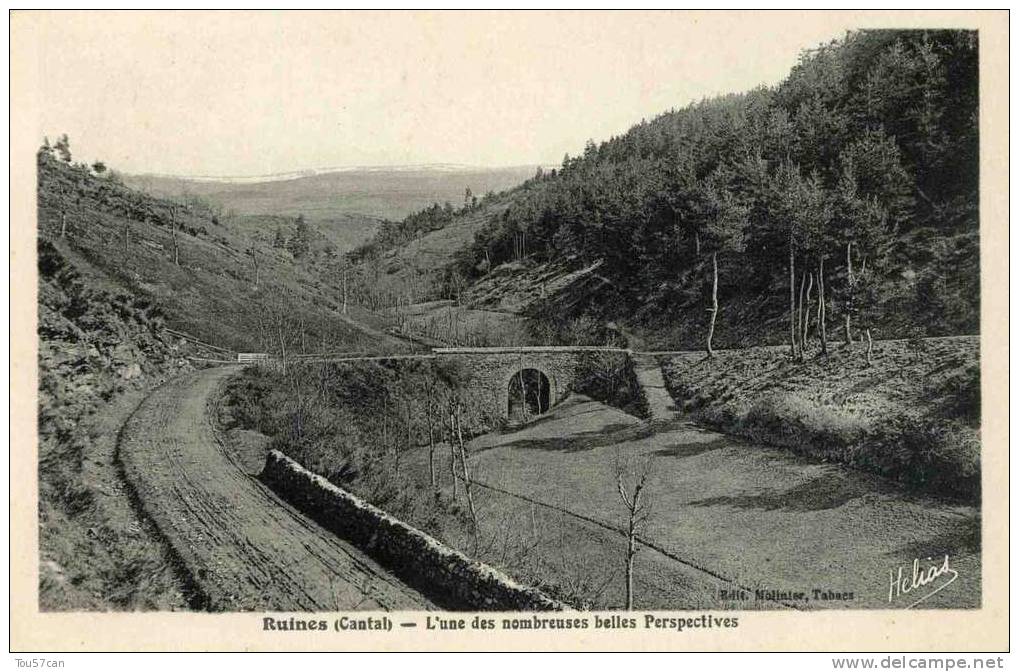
609 377
958 394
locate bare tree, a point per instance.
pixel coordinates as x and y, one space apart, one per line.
456 423
714 301
344 290
431 410
851 282
276 316
173 233
822 314
631 482
806 309
254 260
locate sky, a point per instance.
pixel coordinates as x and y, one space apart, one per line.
232 94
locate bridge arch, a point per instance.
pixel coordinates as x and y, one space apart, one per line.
530 394
551 395
493 368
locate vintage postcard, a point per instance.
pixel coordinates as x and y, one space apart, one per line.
416 330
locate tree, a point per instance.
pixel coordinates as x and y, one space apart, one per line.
859 229
173 233
46 149
63 148
279 241
276 321
300 243
814 222
724 229
99 167
254 261
631 482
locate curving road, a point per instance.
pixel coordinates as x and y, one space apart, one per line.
244 548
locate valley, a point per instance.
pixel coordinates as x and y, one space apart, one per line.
729 359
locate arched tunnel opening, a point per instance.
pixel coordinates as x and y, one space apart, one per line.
529 394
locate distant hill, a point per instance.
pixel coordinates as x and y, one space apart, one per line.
383 192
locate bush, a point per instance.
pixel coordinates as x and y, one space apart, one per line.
958 394
609 377
940 457
923 451
796 421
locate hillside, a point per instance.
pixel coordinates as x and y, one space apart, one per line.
381 193
225 284
99 351
857 173
115 290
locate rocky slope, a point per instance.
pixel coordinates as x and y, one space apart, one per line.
98 353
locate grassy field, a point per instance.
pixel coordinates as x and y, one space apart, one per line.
727 515
913 414
760 517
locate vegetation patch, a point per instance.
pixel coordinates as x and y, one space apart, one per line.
98 354
913 414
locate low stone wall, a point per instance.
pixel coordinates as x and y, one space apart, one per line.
447 577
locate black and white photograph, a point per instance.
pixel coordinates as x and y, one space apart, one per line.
579 317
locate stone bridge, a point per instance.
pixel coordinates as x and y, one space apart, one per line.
494 378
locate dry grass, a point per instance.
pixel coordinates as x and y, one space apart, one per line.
913 414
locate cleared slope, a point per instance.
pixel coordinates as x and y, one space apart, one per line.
223 282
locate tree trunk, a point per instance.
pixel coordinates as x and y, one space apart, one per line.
431 452
870 349
799 312
283 348
452 456
714 301
850 292
523 397
821 307
467 478
792 299
630 552
697 244
63 224
173 232
344 291
805 327
127 236
254 262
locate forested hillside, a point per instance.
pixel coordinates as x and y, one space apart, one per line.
855 179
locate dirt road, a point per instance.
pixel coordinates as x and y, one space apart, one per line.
246 549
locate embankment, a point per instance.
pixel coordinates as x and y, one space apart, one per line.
449 577
912 414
